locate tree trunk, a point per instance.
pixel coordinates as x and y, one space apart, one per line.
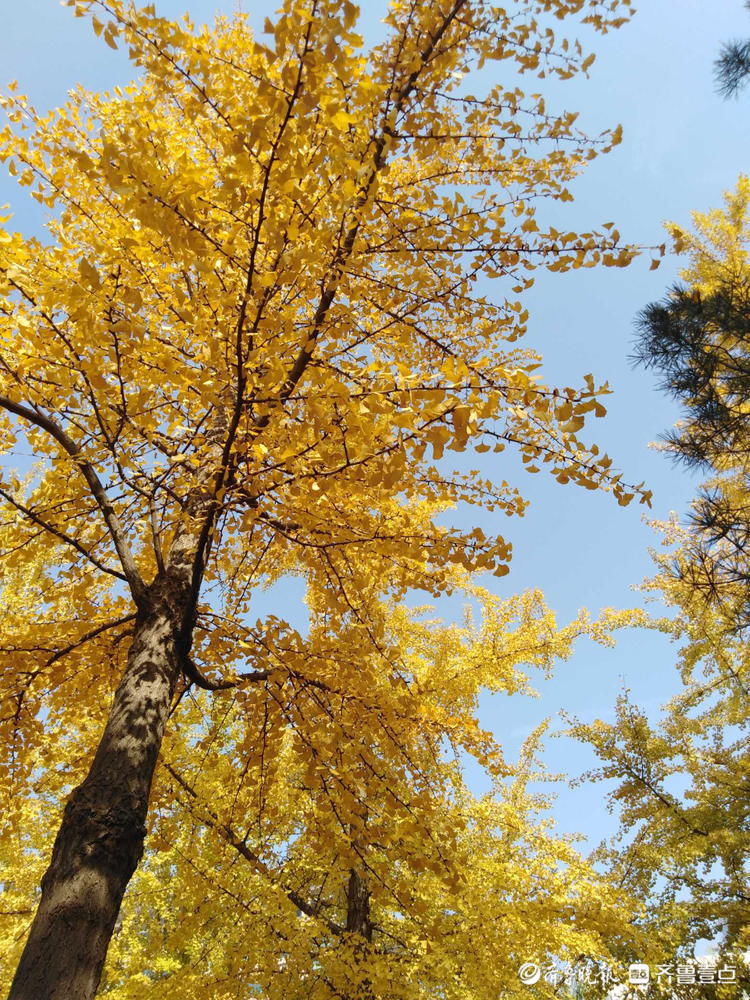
100 841
358 906
358 922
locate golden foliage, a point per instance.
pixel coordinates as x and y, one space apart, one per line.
252 339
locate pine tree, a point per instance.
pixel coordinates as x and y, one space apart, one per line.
698 340
732 67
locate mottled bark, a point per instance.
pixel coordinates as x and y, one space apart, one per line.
358 906
100 841
358 922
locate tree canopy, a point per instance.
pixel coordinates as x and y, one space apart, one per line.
241 352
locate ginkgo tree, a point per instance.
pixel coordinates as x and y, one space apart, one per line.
251 334
424 890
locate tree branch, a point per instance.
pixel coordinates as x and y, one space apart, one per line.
87 636
68 539
129 568
228 835
192 672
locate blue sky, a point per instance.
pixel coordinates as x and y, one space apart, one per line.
682 148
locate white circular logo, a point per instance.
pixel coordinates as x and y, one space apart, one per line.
529 973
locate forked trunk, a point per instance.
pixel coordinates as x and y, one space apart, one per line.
100 841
